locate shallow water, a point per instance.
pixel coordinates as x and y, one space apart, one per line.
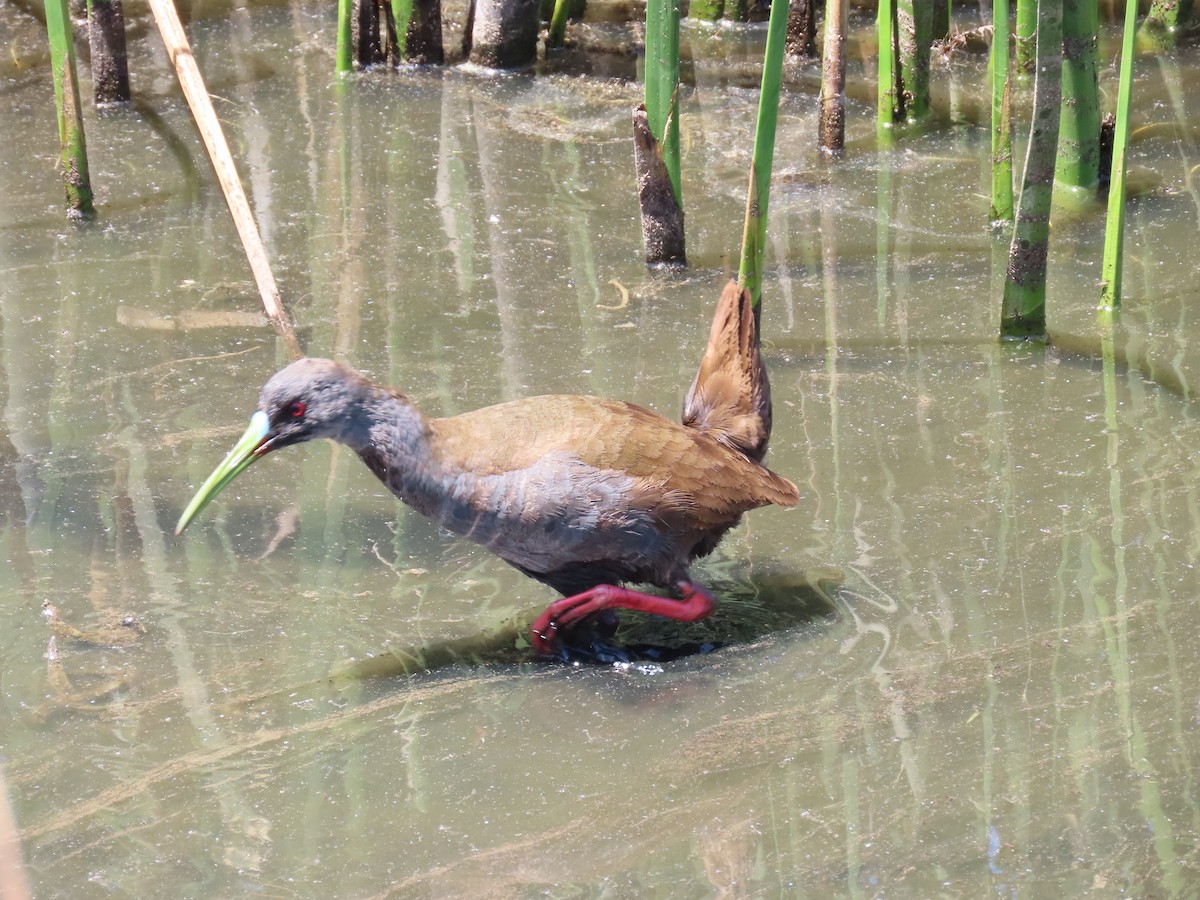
1001 696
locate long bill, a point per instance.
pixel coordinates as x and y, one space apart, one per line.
250 446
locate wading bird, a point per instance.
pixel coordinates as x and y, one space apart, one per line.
581 493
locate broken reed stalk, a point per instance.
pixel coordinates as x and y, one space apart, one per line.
1114 231
73 154
1023 312
754 232
14 882
180 53
1000 74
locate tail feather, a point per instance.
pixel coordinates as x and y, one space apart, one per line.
730 398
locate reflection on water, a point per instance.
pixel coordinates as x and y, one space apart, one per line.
1001 698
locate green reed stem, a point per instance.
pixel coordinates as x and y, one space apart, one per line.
754 233
662 84
1114 232
1023 314
1027 17
888 108
558 24
999 71
914 26
73 155
1078 165
402 13
343 60
1166 17
706 10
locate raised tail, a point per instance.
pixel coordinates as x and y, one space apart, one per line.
731 396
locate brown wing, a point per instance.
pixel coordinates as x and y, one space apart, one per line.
678 470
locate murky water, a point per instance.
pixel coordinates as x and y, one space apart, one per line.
1001 696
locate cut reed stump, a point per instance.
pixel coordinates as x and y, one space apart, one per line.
422 42
802 29
110 62
831 120
368 47
662 216
504 33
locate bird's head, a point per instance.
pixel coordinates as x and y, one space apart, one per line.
310 399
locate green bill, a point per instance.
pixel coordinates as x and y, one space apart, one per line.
244 452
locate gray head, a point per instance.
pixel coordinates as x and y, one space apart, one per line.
311 398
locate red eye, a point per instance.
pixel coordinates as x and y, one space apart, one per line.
296 410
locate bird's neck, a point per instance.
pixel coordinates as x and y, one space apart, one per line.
394 442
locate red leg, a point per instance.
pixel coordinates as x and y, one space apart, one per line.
694 603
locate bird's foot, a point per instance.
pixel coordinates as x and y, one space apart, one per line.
694 603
